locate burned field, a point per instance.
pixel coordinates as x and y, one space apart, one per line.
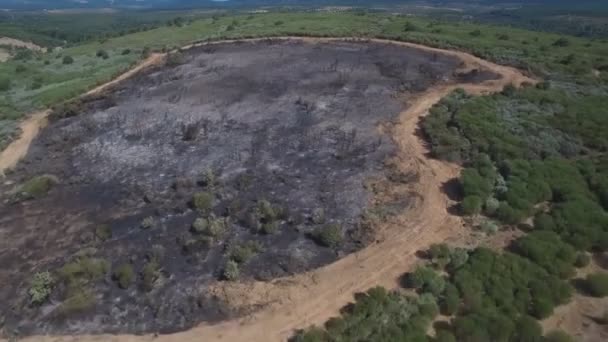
250 160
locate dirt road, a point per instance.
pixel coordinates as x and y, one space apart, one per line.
299 301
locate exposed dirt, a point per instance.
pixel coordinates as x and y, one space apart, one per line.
5 41
583 317
284 304
18 149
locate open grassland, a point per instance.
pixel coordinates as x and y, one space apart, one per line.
42 80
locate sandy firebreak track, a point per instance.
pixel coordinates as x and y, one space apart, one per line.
281 306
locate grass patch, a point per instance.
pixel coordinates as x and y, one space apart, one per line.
329 235
36 187
41 287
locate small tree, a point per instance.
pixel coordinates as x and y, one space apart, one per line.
202 201
231 270
558 336
597 284
329 235
102 54
67 60
124 276
471 205
41 287
5 84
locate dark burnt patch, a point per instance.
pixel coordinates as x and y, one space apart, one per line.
269 145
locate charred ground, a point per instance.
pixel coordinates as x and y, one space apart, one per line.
251 160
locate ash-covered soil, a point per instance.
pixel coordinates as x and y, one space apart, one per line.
234 161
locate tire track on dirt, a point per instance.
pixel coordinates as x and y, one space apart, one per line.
299 301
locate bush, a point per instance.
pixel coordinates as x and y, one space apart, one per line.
444 336
83 269
471 205
491 206
20 68
147 222
318 216
489 227
582 260
174 59
426 280
150 274
269 227
67 60
241 253
125 52
5 84
329 235
231 271
210 226
124 276
202 201
558 336
561 42
77 303
450 300
36 187
475 33
41 287
102 54
596 284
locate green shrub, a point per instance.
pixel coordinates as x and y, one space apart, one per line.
67 60
102 54
329 236
36 187
318 216
41 287
5 84
582 259
124 276
241 253
444 336
208 178
103 232
83 269
231 270
20 68
203 201
426 280
80 301
507 214
174 59
150 274
471 205
558 336
596 284
125 52
561 42
210 226
489 227
491 205
475 33
269 227
450 300
147 222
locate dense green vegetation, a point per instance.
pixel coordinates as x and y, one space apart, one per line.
56 82
490 296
